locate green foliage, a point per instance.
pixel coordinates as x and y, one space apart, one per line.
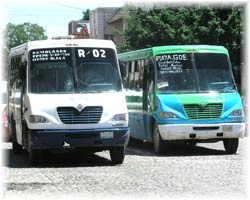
18 34
21 33
184 25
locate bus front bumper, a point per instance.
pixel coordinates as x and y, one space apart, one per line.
59 139
201 131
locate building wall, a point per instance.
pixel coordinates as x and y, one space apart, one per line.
117 26
99 26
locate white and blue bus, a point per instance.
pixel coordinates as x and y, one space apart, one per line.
182 93
67 94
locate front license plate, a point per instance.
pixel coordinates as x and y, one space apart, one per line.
227 128
107 135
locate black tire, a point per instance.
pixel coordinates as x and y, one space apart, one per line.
231 145
34 156
158 142
117 154
192 143
16 148
134 142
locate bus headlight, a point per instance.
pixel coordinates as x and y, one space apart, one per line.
38 119
167 115
120 117
237 113
120 120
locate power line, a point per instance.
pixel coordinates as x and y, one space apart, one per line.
68 6
36 15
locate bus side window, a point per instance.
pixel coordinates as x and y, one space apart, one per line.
17 73
23 70
131 76
126 83
139 83
122 66
136 75
11 78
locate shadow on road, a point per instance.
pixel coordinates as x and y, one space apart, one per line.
146 149
81 158
54 160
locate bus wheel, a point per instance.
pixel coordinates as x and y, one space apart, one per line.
15 146
117 154
34 156
191 143
231 145
158 142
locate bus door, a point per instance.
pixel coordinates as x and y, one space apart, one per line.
135 99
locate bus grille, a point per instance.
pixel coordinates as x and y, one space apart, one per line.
209 111
89 115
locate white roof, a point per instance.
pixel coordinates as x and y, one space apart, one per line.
40 44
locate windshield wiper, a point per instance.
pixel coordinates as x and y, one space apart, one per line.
87 91
84 87
227 89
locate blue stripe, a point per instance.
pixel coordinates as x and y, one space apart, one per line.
171 103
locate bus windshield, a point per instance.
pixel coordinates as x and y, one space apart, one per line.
73 70
194 73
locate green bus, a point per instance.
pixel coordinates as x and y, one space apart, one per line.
184 94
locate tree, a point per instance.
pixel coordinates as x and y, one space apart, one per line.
18 34
21 33
163 25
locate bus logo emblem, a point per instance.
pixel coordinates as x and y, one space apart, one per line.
203 105
79 107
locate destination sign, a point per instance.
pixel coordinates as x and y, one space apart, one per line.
94 53
171 63
50 55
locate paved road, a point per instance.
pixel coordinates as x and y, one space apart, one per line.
204 171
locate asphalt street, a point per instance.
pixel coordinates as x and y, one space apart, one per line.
195 172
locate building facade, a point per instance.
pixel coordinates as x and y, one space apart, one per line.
105 23
117 25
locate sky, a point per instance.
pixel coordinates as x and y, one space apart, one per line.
52 15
